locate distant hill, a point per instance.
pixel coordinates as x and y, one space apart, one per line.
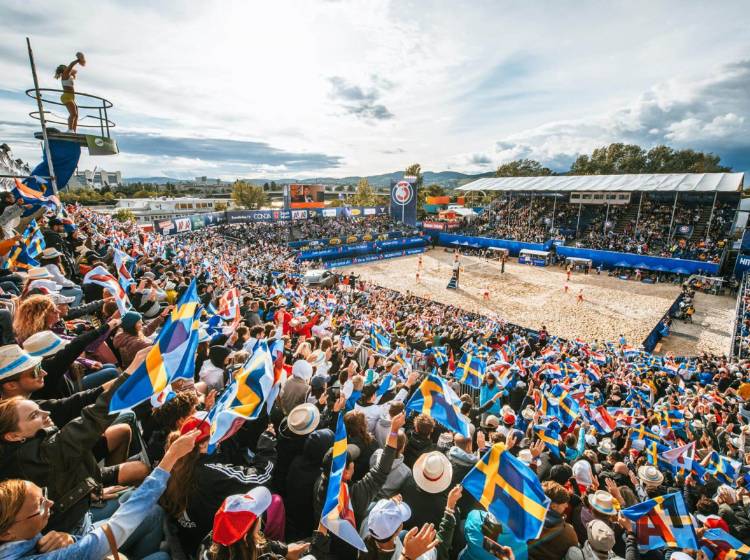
447 179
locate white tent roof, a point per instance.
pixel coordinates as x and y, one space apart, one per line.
656 182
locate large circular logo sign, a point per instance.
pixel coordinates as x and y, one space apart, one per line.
402 193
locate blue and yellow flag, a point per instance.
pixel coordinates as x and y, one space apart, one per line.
470 370
337 515
550 434
723 541
510 491
662 522
725 470
33 240
440 355
438 401
166 358
243 398
379 340
19 259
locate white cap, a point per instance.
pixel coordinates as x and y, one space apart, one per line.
386 517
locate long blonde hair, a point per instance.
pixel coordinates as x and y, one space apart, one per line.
31 316
12 497
247 548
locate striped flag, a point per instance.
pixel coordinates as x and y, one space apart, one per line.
100 276
663 522
337 515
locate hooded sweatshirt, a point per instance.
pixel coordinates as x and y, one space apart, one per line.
396 478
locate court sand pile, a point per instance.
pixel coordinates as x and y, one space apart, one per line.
532 296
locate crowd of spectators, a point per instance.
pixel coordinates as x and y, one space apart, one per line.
78 482
530 219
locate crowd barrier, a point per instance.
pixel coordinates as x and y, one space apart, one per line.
614 259
608 259
362 249
658 332
514 247
371 258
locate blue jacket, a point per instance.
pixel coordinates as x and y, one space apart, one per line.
486 393
474 540
94 545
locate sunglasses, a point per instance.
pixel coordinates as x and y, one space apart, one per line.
35 373
44 506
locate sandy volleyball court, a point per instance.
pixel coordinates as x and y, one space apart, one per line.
531 296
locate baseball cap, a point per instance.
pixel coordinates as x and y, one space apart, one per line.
386 517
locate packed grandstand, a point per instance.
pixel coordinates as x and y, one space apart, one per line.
191 396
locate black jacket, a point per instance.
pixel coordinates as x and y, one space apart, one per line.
416 446
62 460
213 480
59 363
425 507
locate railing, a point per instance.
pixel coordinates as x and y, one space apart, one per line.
97 106
736 350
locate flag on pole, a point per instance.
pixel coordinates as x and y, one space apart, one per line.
470 370
725 542
510 491
337 514
165 358
437 400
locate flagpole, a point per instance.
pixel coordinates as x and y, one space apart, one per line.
45 139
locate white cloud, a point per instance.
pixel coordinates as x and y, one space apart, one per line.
436 78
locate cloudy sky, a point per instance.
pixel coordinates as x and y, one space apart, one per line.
336 88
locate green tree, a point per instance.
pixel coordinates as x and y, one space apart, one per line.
220 206
124 215
415 170
523 168
364 195
621 158
248 196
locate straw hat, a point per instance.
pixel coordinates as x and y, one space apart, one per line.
44 343
39 273
603 502
303 419
50 253
14 360
433 472
606 446
650 475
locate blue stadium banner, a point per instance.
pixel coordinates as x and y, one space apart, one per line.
404 201
742 265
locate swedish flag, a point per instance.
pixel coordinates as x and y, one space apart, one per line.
379 340
550 435
470 370
337 514
435 399
510 491
662 522
166 357
19 259
438 352
725 470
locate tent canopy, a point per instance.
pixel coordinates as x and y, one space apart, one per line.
656 182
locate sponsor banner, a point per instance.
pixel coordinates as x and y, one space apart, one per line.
337 252
404 200
244 216
370 258
165 227
183 224
742 265
441 225
314 243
